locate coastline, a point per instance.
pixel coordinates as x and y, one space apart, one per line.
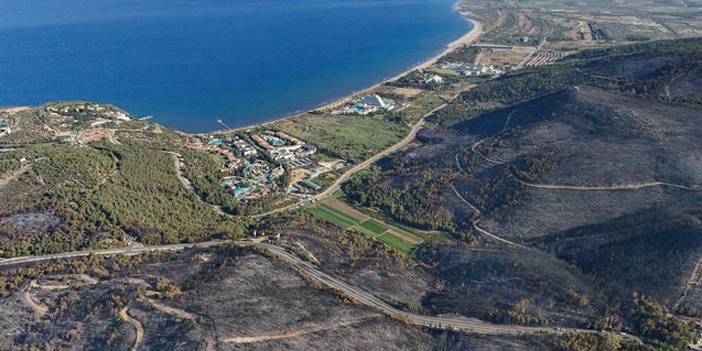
466 39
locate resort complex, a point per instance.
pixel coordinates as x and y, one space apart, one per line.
265 162
366 105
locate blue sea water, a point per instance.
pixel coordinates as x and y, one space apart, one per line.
189 62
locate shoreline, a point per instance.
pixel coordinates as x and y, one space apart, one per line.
466 39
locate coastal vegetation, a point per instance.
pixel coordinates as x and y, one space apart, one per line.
552 196
351 138
68 198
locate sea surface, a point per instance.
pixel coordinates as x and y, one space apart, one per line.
190 62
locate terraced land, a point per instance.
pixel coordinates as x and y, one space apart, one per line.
347 218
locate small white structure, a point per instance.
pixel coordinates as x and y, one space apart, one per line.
374 101
435 79
367 105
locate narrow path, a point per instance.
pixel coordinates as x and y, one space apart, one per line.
458 164
295 333
175 312
692 282
124 315
38 309
475 145
179 166
632 186
9 177
474 148
476 223
180 170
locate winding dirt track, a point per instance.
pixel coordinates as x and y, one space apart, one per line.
692 282
476 223
38 309
295 333
124 314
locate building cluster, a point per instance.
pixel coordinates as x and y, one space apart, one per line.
255 163
231 162
283 149
472 69
86 109
366 105
66 118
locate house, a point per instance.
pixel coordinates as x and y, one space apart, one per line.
435 79
243 148
306 150
374 101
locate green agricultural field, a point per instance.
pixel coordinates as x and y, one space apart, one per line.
371 227
333 216
396 243
366 231
374 226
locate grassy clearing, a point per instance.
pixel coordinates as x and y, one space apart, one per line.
420 106
445 71
348 137
374 226
406 236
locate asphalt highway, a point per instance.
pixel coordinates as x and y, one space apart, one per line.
356 293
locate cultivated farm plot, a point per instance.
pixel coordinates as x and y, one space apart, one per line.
374 226
333 216
346 217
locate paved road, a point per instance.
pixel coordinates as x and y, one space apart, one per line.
132 250
359 167
365 164
359 295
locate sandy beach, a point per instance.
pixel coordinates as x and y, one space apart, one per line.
464 40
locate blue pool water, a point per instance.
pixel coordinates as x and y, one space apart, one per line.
189 62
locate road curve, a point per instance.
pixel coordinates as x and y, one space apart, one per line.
359 167
469 325
359 295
